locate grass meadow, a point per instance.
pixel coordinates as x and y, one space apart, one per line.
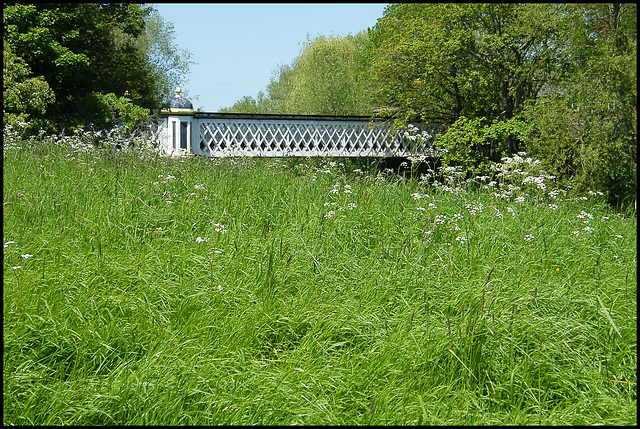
143 290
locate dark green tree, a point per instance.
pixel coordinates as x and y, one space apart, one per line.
103 61
584 122
557 80
439 62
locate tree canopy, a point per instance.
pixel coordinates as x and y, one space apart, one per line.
86 51
329 77
556 80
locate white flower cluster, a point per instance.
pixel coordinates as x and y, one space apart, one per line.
346 190
24 256
165 179
418 196
218 227
537 180
474 207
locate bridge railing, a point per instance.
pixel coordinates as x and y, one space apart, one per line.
232 135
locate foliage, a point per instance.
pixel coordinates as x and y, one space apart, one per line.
562 78
169 64
23 97
84 49
329 77
439 62
473 144
112 110
585 126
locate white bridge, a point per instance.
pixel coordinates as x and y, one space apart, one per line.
185 132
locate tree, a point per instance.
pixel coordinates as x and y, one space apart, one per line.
440 62
87 51
557 80
585 122
329 77
23 97
169 64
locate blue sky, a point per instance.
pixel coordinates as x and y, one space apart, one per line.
239 46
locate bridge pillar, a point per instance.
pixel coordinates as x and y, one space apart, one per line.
179 121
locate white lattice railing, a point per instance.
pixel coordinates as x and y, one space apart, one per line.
226 135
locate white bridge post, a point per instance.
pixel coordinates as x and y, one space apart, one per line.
177 140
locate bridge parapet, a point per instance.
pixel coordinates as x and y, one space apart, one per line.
233 134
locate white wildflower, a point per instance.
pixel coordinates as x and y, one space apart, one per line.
440 219
202 239
218 227
26 256
529 237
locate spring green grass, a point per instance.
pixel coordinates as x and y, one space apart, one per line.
143 290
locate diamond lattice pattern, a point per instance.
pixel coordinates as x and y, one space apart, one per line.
272 138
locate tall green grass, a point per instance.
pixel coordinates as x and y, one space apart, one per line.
145 290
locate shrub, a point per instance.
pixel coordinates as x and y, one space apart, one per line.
24 99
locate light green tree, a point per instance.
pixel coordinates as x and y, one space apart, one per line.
329 77
24 97
169 63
